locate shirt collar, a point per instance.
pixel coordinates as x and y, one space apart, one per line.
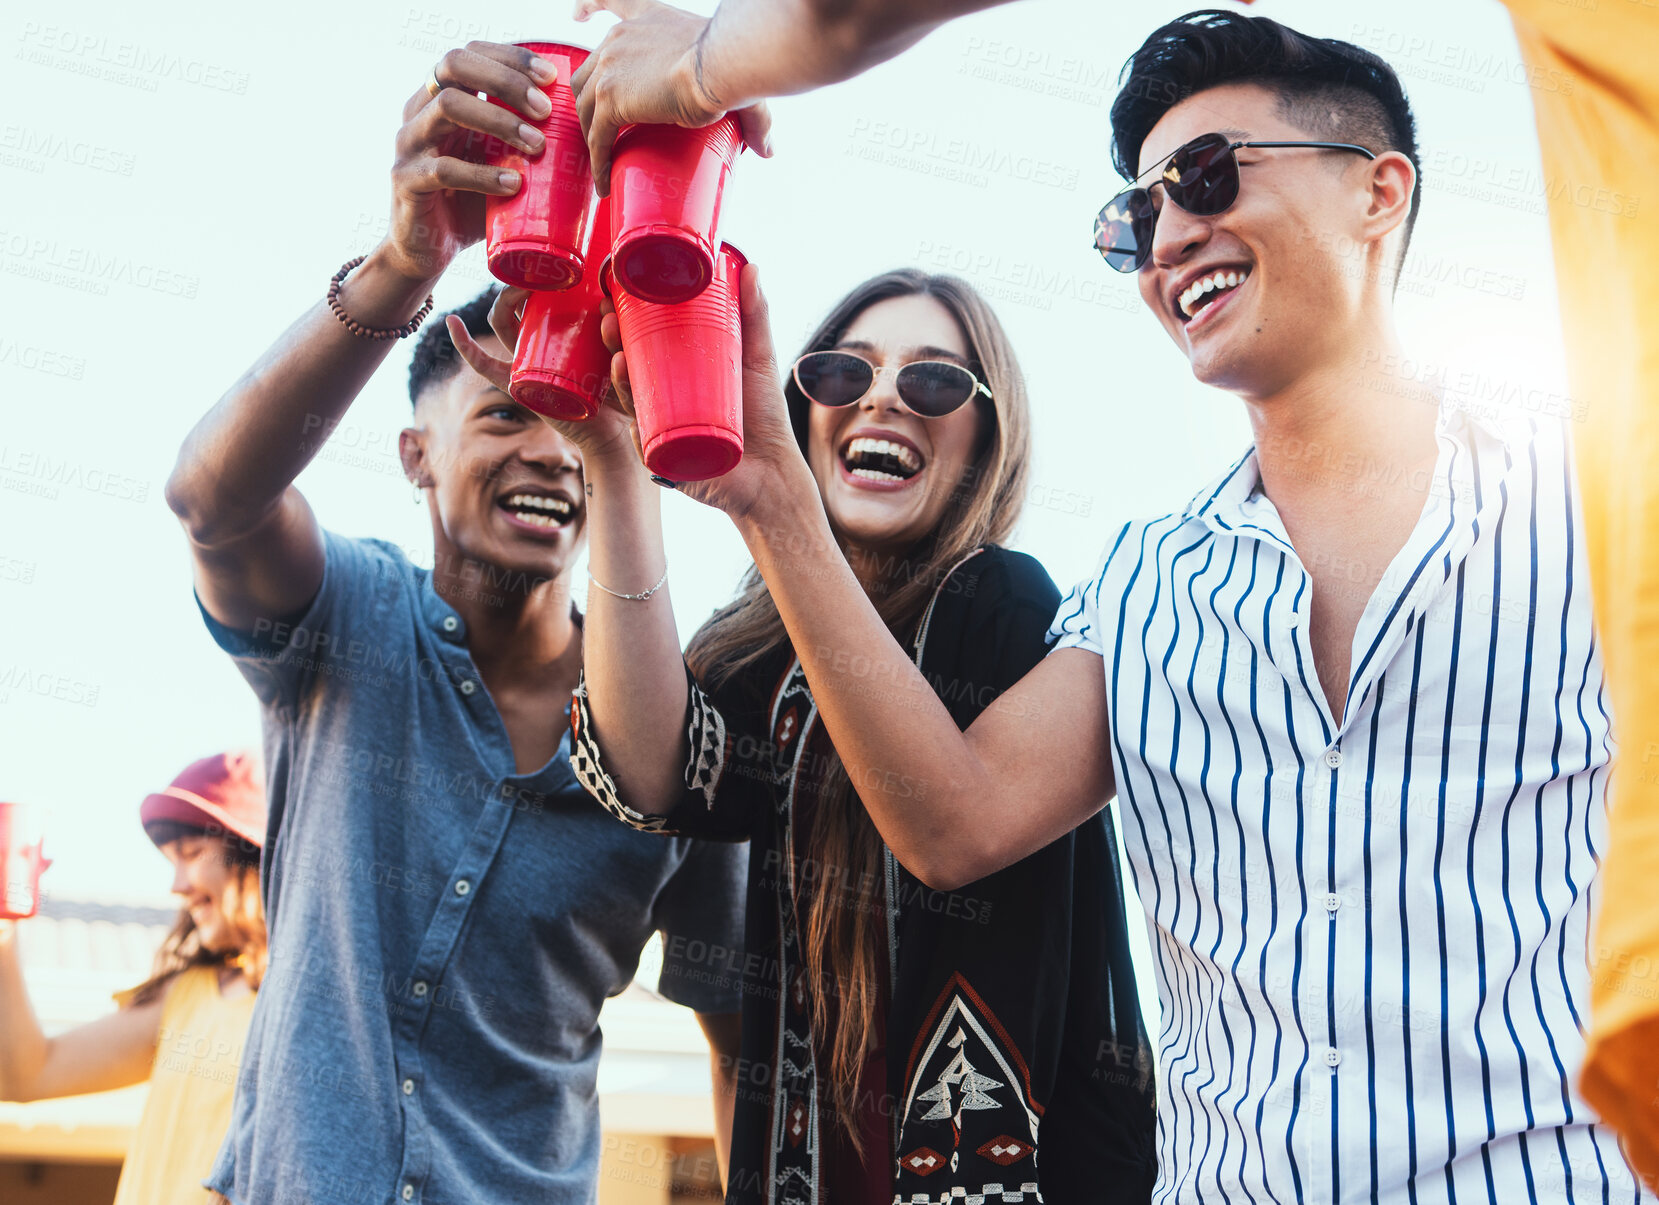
1226 499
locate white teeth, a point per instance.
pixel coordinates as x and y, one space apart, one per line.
875 475
864 446
1215 280
557 506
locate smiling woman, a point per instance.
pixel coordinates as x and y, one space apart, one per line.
937 1032
183 1028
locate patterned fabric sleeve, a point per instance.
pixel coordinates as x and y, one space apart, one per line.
710 806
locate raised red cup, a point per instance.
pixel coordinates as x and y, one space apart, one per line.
667 183
21 862
534 238
685 367
561 366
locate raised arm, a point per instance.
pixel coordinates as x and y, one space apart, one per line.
111 1052
256 546
1032 767
666 65
631 663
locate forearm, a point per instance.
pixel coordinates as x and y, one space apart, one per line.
631 655
724 1032
920 778
754 49
243 455
22 1042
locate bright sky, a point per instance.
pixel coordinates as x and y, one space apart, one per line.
180 181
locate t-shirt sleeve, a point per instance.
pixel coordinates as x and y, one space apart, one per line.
282 655
700 915
1077 623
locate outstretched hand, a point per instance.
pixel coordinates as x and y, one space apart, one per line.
772 466
648 70
608 433
438 197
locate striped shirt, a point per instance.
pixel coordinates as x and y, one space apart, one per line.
1370 930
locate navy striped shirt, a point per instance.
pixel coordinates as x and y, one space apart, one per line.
1370 930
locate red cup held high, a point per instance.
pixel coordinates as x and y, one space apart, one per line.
685 368
534 238
667 183
21 861
561 367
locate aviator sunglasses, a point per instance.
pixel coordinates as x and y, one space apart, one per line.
1200 176
930 388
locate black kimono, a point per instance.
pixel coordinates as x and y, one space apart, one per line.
1016 1065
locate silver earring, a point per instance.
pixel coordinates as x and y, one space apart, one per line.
418 495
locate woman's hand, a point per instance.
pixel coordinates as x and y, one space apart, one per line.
437 197
772 466
605 439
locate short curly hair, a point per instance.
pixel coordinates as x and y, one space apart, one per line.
435 357
1334 90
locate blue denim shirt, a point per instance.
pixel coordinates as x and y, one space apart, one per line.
443 930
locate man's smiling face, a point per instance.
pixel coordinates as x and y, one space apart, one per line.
506 488
1256 294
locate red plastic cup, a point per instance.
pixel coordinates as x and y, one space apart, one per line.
534 238
685 365
21 861
666 188
561 366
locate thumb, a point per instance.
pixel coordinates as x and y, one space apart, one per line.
755 324
496 371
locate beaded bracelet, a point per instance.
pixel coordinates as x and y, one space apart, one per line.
369 332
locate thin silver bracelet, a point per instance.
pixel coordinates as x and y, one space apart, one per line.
640 597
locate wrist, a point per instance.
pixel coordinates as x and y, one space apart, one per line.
692 79
784 515
393 268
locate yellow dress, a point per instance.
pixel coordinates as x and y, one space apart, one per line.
187 1111
1597 106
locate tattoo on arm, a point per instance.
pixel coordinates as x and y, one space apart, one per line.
697 67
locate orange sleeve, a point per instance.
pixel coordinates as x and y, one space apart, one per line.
1598 130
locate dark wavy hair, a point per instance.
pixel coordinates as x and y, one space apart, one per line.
1334 90
435 357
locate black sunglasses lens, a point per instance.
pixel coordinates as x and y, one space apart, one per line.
833 378
933 388
1123 231
1202 177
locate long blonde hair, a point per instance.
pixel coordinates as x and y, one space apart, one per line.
182 948
983 508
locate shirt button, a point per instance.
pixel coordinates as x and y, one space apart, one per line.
408 1192
451 623
408 1087
420 987
1292 620
1333 757
462 886
1333 1056
1333 901
468 686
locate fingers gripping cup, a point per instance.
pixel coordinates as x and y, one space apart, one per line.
21 861
533 239
666 188
561 366
685 367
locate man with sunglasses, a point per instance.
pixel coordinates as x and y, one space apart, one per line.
1599 139
1349 698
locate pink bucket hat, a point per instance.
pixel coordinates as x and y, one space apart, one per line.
223 793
